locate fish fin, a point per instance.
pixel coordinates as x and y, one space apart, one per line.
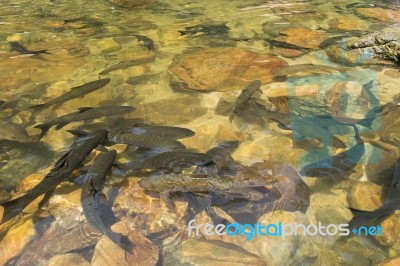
46 198
338 143
80 179
11 209
36 108
61 125
79 133
84 109
101 148
44 127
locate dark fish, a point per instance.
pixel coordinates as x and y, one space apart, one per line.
60 172
391 204
75 92
337 164
175 160
161 131
168 183
287 193
92 191
222 157
211 28
16 46
294 194
146 41
144 140
285 45
84 113
304 126
244 97
126 64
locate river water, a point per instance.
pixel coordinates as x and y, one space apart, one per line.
184 63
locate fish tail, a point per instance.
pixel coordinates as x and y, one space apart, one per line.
12 208
44 128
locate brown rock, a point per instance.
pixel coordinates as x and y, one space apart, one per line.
381 14
303 37
130 3
364 196
390 262
68 259
391 231
107 252
144 252
17 237
348 102
347 23
222 69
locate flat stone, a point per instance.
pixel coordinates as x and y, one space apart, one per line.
68 259
198 252
303 37
222 69
292 250
17 237
390 262
364 196
381 14
347 23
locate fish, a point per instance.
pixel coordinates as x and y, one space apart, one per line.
304 126
337 164
75 92
244 97
170 160
144 140
210 28
84 113
59 173
390 205
221 155
161 131
16 46
288 193
285 45
146 41
92 191
169 183
126 64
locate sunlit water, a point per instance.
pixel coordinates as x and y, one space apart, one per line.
85 38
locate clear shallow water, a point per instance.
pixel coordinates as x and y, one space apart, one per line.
83 40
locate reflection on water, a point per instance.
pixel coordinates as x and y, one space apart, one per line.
250 112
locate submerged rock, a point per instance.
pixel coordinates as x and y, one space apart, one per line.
391 229
303 37
222 69
364 196
291 250
381 14
68 259
16 238
370 48
211 252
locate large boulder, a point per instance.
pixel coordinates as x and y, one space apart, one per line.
222 69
